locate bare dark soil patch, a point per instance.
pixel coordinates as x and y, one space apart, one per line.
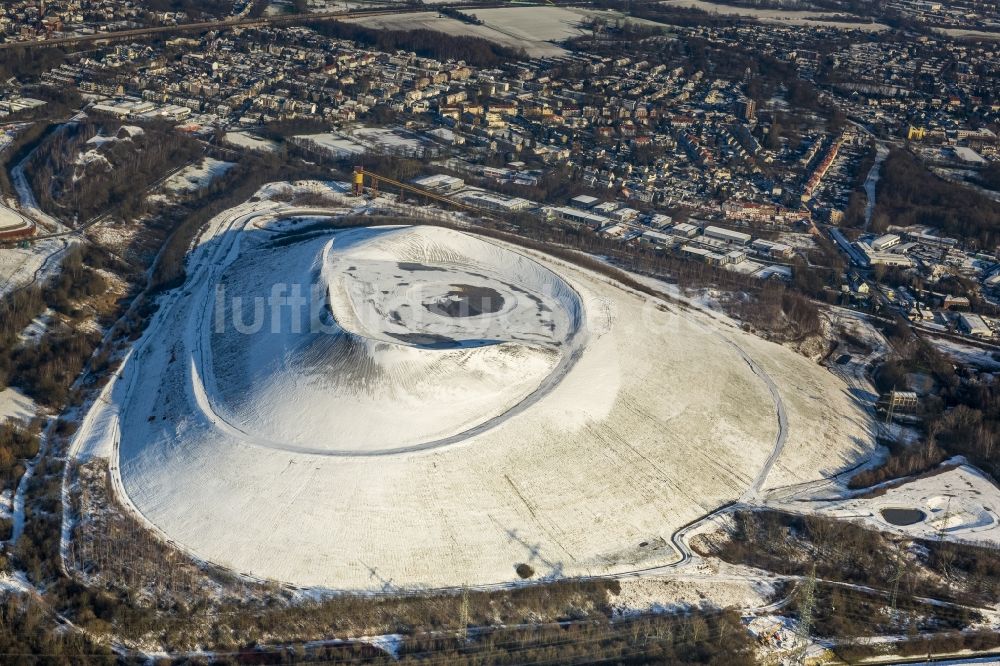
414 266
427 340
465 300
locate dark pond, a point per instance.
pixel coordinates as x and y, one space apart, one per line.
903 517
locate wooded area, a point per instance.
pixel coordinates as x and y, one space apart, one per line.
29 636
45 368
844 551
961 416
908 193
75 180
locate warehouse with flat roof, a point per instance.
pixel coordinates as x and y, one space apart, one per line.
974 325
727 236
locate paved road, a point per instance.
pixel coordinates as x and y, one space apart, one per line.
752 495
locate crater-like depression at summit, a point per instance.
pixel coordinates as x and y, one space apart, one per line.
389 339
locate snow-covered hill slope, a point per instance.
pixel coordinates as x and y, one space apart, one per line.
382 340
560 419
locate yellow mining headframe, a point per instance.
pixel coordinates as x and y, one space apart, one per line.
359 189
359 181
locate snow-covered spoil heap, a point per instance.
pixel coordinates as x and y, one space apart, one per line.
442 408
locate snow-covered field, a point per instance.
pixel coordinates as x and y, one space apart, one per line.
197 176
16 405
336 144
967 354
36 328
386 139
20 267
960 503
800 17
535 29
962 33
250 142
385 442
800 241
357 140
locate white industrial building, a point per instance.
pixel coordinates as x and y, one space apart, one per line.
625 214
684 230
124 108
736 256
577 216
439 182
657 238
693 251
727 236
496 202
883 243
659 220
969 156
873 257
974 325
9 106
766 248
584 201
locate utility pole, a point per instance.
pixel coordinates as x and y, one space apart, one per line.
943 525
